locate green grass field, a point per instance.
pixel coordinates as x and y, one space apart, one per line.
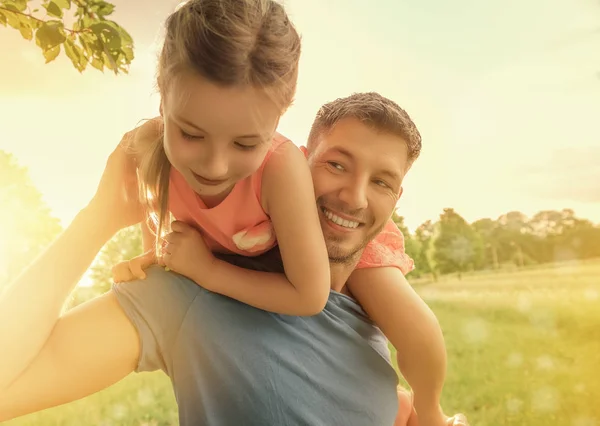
523 349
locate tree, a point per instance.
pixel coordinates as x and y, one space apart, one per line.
92 39
125 245
26 225
411 245
456 246
563 236
425 261
488 231
585 238
516 242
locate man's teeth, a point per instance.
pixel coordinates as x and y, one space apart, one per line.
339 221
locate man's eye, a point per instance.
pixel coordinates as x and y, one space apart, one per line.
336 166
381 183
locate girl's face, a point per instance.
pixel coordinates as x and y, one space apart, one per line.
216 136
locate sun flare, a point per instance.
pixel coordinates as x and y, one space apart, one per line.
5 238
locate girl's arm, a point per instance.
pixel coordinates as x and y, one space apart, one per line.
288 194
409 324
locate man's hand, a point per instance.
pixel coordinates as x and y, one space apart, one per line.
407 415
134 269
458 420
117 197
187 254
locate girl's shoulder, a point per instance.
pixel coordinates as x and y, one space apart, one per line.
387 249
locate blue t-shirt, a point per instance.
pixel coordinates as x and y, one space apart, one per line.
232 364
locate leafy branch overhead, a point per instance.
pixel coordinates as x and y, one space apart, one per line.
90 39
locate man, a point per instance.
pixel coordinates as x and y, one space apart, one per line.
229 363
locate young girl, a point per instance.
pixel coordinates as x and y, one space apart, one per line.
227 72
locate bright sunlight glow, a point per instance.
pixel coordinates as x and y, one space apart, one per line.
5 238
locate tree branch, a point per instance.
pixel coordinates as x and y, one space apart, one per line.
42 21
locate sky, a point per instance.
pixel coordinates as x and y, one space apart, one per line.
506 95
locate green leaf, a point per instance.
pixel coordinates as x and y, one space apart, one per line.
49 35
114 43
109 62
98 64
28 21
85 43
125 37
128 52
26 32
32 23
107 33
53 10
3 19
86 21
19 5
75 54
106 10
63 4
103 8
52 53
12 18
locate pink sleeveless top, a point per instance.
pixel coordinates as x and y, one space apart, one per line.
387 249
240 225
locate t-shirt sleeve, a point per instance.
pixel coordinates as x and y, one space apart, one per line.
387 249
157 307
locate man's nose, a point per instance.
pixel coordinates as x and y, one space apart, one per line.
354 194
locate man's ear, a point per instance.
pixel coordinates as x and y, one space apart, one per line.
304 151
160 109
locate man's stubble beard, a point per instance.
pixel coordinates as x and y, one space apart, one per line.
338 257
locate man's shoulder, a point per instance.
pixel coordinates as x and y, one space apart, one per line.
157 307
160 286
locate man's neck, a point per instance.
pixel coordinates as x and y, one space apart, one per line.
340 272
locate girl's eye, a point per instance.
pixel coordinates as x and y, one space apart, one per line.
190 137
245 147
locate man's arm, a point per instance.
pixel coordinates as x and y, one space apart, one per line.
30 307
411 327
91 347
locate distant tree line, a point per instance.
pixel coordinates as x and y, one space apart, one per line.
452 245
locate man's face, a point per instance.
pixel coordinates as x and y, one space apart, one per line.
357 174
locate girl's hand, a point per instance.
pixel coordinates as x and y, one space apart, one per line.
134 269
186 253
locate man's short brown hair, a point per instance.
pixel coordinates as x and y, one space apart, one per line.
375 111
